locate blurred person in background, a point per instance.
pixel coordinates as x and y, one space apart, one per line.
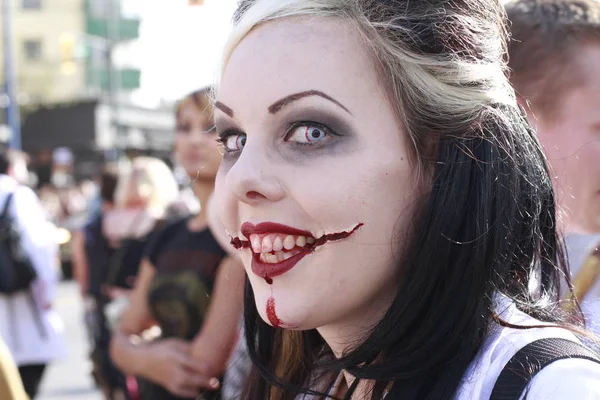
92 235
187 286
29 325
109 249
91 261
554 58
144 199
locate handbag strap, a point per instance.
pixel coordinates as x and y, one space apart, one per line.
7 204
531 359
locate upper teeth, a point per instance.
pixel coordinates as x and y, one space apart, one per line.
277 242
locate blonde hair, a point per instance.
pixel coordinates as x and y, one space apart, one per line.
444 90
148 178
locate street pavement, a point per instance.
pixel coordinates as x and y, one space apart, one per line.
70 379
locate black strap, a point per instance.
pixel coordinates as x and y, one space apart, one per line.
531 359
6 205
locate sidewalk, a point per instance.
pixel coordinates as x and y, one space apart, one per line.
70 379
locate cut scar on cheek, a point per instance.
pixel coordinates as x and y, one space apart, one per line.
271 315
238 243
331 237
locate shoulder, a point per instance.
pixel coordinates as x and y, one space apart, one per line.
504 342
25 207
169 226
162 236
567 379
26 197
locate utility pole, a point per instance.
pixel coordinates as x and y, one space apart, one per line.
113 16
10 84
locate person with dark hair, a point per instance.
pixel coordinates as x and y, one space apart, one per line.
29 325
188 286
554 59
392 207
14 163
110 248
92 254
108 186
107 183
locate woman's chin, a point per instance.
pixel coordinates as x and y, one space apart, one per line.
282 314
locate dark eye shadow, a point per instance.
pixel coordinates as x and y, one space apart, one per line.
315 114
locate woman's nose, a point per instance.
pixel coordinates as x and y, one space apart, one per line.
253 178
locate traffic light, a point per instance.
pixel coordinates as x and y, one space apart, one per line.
195 2
67 53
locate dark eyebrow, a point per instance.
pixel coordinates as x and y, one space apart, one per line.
279 104
224 108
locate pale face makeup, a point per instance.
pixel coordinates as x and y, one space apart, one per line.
571 140
196 147
315 159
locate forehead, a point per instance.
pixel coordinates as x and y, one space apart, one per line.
294 55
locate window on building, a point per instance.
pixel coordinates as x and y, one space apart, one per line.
32 49
31 4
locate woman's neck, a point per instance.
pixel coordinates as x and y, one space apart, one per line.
202 190
343 336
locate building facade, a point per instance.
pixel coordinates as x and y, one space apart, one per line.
64 49
45 34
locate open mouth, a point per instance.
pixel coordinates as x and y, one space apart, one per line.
278 248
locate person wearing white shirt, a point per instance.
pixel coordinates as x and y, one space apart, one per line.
32 330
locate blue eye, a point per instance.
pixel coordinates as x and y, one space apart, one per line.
307 134
235 142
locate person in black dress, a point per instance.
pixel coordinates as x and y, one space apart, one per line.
185 270
109 249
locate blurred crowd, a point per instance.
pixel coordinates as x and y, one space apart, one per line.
138 241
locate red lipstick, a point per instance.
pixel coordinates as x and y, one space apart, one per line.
269 270
271 227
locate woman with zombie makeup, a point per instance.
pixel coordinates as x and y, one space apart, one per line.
391 205
185 271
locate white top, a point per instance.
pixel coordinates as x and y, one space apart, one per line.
562 380
19 328
579 247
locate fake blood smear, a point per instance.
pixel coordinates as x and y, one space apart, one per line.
276 322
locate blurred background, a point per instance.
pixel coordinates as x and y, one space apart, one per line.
86 84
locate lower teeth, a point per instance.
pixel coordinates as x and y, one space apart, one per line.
273 258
